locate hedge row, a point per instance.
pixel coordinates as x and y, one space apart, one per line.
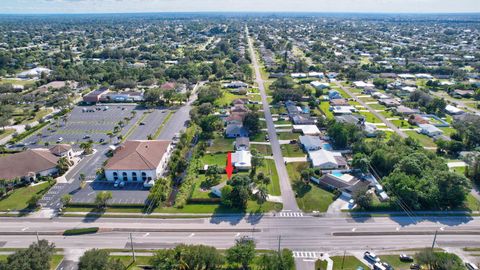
81 231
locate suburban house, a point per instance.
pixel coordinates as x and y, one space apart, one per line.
235 130
310 143
402 110
339 102
236 84
302 120
320 85
139 161
342 109
389 102
315 74
344 182
28 165
416 119
360 84
430 130
452 110
462 93
242 160
242 143
325 160
34 73
333 94
306 129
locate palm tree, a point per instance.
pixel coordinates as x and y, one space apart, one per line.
262 195
62 165
86 147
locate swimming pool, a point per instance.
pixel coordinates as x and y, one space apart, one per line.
327 146
337 174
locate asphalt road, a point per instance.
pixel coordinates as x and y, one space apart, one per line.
299 234
378 115
288 197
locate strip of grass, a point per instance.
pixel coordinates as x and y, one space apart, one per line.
423 139
29 132
349 263
165 121
54 262
325 108
6 132
81 231
130 264
394 261
263 149
18 199
133 127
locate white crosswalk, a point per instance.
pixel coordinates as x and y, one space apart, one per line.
308 254
290 214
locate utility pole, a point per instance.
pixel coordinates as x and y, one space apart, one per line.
434 239
38 239
279 241
343 260
133 250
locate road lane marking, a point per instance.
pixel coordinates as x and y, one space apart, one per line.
442 228
147 234
24 229
354 229
191 235
397 229
237 235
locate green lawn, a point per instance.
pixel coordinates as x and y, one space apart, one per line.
221 144
423 139
309 197
288 136
472 203
6 132
17 200
259 137
394 261
325 108
17 82
39 115
214 159
350 263
370 117
263 149
270 170
130 264
54 262
292 150
227 99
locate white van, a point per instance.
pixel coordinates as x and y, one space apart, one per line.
471 266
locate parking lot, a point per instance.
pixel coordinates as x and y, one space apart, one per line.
131 193
94 123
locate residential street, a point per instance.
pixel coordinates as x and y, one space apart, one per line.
288 197
378 115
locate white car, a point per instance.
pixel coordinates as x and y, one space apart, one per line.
60 139
116 183
122 184
371 257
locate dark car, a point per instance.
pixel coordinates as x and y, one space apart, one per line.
406 258
142 124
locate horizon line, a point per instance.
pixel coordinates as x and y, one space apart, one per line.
251 12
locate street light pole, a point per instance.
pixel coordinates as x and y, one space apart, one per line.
434 239
133 250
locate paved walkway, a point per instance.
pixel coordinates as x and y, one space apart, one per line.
295 159
289 202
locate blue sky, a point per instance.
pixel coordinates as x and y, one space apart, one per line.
108 6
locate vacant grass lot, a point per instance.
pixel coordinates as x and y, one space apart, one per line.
309 197
221 144
288 136
270 170
263 149
423 139
292 150
214 159
324 107
350 263
130 264
18 199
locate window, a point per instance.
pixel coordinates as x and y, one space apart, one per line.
125 178
144 176
134 176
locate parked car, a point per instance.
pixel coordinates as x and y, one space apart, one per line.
379 266
387 266
267 138
471 266
371 256
86 137
406 258
142 124
59 139
122 184
415 266
101 140
116 183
